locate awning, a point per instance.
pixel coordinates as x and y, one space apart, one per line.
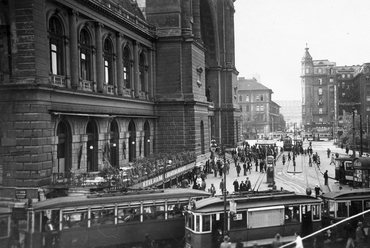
362 163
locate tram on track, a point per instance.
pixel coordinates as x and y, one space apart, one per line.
344 170
119 219
252 217
287 143
339 205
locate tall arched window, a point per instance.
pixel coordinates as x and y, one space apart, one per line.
92 147
132 142
142 72
64 148
108 62
56 46
114 142
85 55
146 139
126 67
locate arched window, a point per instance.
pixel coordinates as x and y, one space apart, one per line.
108 62
142 72
64 148
92 147
132 142
126 67
56 46
85 55
114 143
146 139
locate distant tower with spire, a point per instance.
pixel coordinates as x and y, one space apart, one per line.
318 82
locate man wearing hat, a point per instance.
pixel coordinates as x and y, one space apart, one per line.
226 243
360 235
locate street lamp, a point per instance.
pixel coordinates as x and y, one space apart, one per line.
353 132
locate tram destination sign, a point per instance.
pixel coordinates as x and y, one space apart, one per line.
20 194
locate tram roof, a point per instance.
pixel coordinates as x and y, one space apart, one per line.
259 200
347 194
120 198
266 142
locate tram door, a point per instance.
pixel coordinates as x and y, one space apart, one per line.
307 219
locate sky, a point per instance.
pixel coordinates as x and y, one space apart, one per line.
271 37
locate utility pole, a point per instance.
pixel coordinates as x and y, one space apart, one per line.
353 133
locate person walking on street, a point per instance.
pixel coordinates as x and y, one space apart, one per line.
245 168
236 185
298 241
277 242
326 177
360 236
328 152
283 159
248 184
212 189
238 169
222 185
226 243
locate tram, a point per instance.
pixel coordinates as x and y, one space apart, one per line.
339 205
252 217
119 219
344 170
287 143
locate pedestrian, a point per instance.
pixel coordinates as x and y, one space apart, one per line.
236 185
309 161
222 185
289 158
13 240
317 190
238 168
203 184
242 186
328 152
332 160
212 189
326 177
298 240
277 242
249 167
245 168
226 243
360 235
239 243
248 184
49 234
283 159
349 235
256 163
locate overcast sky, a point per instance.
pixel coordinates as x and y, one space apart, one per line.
271 36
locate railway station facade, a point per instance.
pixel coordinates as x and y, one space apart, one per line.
85 80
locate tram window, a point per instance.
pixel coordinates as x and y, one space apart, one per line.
355 207
239 220
74 219
52 215
292 214
37 221
4 223
197 223
175 210
316 212
206 225
102 217
331 208
155 212
367 207
342 209
190 221
266 217
128 214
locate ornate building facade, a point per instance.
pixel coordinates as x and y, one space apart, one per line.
84 82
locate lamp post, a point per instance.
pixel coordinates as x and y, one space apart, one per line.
353 132
224 171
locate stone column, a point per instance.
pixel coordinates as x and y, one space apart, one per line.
196 16
74 48
119 64
136 69
99 57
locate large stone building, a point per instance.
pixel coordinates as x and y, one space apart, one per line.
332 94
260 115
84 80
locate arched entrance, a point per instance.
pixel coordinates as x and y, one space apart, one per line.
64 148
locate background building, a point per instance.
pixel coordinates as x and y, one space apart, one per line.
260 114
292 112
86 83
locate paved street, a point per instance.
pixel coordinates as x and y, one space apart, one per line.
295 179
